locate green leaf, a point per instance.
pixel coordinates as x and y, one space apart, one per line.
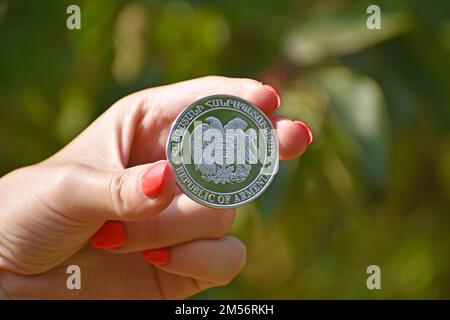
358 103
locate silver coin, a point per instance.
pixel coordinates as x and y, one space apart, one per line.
223 150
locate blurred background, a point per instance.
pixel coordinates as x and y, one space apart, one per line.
373 188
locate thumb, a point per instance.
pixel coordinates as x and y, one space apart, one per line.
142 191
132 194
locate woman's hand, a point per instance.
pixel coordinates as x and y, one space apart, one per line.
111 185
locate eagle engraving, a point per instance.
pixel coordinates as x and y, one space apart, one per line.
226 148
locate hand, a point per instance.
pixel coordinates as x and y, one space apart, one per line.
156 242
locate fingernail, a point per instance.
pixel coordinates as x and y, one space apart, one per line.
153 179
306 128
275 92
111 235
158 256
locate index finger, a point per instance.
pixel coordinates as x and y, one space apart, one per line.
172 99
158 107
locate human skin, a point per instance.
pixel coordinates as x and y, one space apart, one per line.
115 171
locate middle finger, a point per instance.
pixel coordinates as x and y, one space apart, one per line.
184 220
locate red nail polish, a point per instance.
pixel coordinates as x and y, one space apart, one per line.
158 256
153 179
111 235
275 92
305 127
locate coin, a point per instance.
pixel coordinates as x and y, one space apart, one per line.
223 150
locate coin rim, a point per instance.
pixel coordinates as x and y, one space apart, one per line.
180 184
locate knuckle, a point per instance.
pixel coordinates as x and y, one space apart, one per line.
121 204
127 199
153 237
252 87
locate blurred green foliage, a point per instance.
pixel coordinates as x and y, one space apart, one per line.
373 188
